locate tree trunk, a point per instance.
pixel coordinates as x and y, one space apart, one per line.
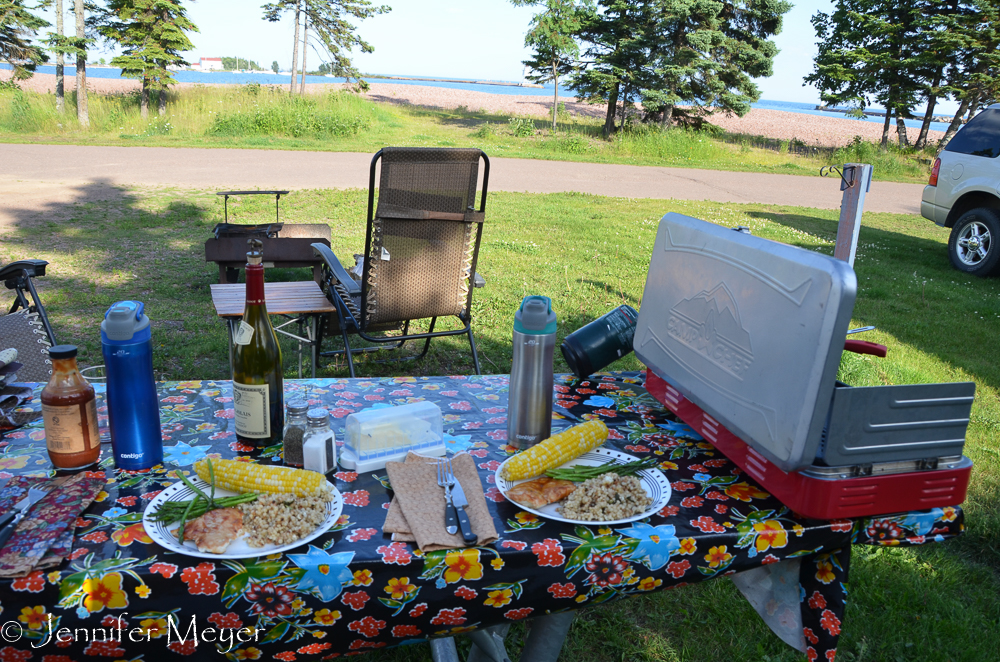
885 126
668 116
955 125
901 130
305 44
144 99
609 119
60 62
925 126
555 95
162 102
81 69
295 50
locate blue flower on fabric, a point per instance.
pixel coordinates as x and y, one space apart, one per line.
701 478
456 443
599 401
82 613
921 523
680 430
656 543
326 573
111 513
182 455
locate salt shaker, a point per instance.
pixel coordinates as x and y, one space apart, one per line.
293 436
319 448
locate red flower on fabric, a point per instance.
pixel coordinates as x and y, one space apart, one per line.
717 496
829 621
454 616
174 399
57 658
182 647
678 568
559 388
360 643
466 593
883 529
418 610
811 654
567 590
692 502
395 553
513 544
373 398
669 511
239 447
817 601
464 405
497 435
715 463
269 600
472 425
492 465
287 656
166 570
607 413
493 494
479 452
917 540
312 649
225 413
608 387
341 412
222 434
721 508
494 410
81 522
108 648
496 420
126 501
586 391
831 655
549 552
359 498
11 654
707 525
361 534
350 395
698 467
401 631
605 569
227 621
346 476
637 448
367 627
33 583
518 614
810 635
615 434
77 553
841 525
95 537
200 580
681 486
356 600
115 622
449 394
769 559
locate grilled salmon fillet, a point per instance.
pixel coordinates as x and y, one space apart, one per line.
213 531
540 492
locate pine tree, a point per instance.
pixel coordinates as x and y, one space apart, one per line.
152 34
17 26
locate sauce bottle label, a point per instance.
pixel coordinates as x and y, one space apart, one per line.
253 418
243 334
71 428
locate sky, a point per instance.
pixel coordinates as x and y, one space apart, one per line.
475 39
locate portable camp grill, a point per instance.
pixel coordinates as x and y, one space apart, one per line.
743 338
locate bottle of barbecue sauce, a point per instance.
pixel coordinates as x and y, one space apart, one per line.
69 412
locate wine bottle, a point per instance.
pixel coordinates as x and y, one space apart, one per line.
257 372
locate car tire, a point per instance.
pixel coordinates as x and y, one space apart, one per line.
974 244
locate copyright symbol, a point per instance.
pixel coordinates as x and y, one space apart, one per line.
11 632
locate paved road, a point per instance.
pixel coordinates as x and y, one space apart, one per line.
48 166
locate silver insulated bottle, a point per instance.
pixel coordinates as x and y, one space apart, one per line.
529 409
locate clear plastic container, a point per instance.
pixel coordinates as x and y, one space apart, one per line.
375 436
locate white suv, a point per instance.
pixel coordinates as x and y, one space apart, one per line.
964 194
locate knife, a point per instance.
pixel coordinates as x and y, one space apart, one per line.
34 494
458 498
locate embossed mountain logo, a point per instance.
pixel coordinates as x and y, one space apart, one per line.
709 323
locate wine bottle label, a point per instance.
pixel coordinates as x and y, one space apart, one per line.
253 419
243 334
71 428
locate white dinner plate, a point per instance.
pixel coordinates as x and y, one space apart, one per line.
238 549
653 481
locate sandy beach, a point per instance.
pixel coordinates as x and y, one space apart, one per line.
810 129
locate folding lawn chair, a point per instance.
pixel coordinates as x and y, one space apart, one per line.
26 327
421 247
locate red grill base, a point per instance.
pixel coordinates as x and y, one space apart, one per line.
820 498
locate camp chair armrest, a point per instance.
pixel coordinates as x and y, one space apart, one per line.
478 281
324 253
31 268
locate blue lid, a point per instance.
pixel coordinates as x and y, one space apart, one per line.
535 316
125 323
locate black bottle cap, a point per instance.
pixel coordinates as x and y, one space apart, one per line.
62 352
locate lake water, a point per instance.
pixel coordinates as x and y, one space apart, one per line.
506 87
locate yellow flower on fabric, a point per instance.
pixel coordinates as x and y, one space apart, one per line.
717 556
462 564
526 518
499 598
101 496
688 547
33 617
143 591
649 583
667 465
770 534
362 578
497 564
326 617
104 593
192 384
250 653
17 462
297 604
824 572
153 627
798 529
581 598
319 634
54 577
399 588
948 514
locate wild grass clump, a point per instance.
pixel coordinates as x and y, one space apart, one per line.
25 112
338 114
894 162
652 142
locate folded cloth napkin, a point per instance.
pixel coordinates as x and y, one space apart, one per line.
416 513
44 536
12 412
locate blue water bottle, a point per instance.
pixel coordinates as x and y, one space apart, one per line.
133 408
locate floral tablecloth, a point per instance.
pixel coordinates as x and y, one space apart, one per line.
121 596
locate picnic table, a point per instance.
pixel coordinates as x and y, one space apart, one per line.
354 590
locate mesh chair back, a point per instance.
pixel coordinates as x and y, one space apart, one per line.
424 236
24 331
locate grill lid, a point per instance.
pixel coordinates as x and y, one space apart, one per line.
748 329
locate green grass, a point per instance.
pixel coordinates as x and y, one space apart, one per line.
258 117
589 253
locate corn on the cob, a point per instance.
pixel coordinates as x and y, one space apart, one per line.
251 477
556 450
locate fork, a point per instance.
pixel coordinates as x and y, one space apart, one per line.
447 481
